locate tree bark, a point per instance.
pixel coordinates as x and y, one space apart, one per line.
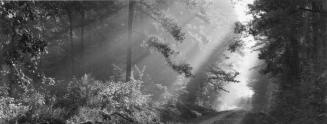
82 57
129 47
71 42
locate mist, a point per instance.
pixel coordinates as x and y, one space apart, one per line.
128 61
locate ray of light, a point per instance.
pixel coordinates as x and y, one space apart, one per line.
242 64
200 52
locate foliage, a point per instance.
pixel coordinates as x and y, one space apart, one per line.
291 41
264 87
168 53
84 100
122 101
11 108
168 23
171 26
240 31
22 44
217 78
31 90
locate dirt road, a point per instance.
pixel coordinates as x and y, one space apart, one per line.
226 117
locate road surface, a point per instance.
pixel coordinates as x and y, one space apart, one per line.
225 117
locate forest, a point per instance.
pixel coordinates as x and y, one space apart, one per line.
163 62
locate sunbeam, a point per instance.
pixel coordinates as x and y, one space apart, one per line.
243 64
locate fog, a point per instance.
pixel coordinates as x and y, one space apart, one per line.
205 45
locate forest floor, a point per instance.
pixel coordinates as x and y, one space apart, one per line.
224 117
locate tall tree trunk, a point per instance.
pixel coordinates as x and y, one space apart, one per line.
129 48
321 84
82 63
71 42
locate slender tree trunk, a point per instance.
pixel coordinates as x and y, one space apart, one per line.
82 63
129 48
71 42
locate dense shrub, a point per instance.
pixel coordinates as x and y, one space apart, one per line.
82 100
10 108
112 102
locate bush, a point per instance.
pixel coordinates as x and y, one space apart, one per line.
79 101
11 109
110 101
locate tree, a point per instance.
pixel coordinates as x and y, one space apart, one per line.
130 34
292 47
169 24
22 45
71 42
82 46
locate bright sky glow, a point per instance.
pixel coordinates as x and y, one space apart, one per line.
224 16
250 58
241 9
242 64
215 33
